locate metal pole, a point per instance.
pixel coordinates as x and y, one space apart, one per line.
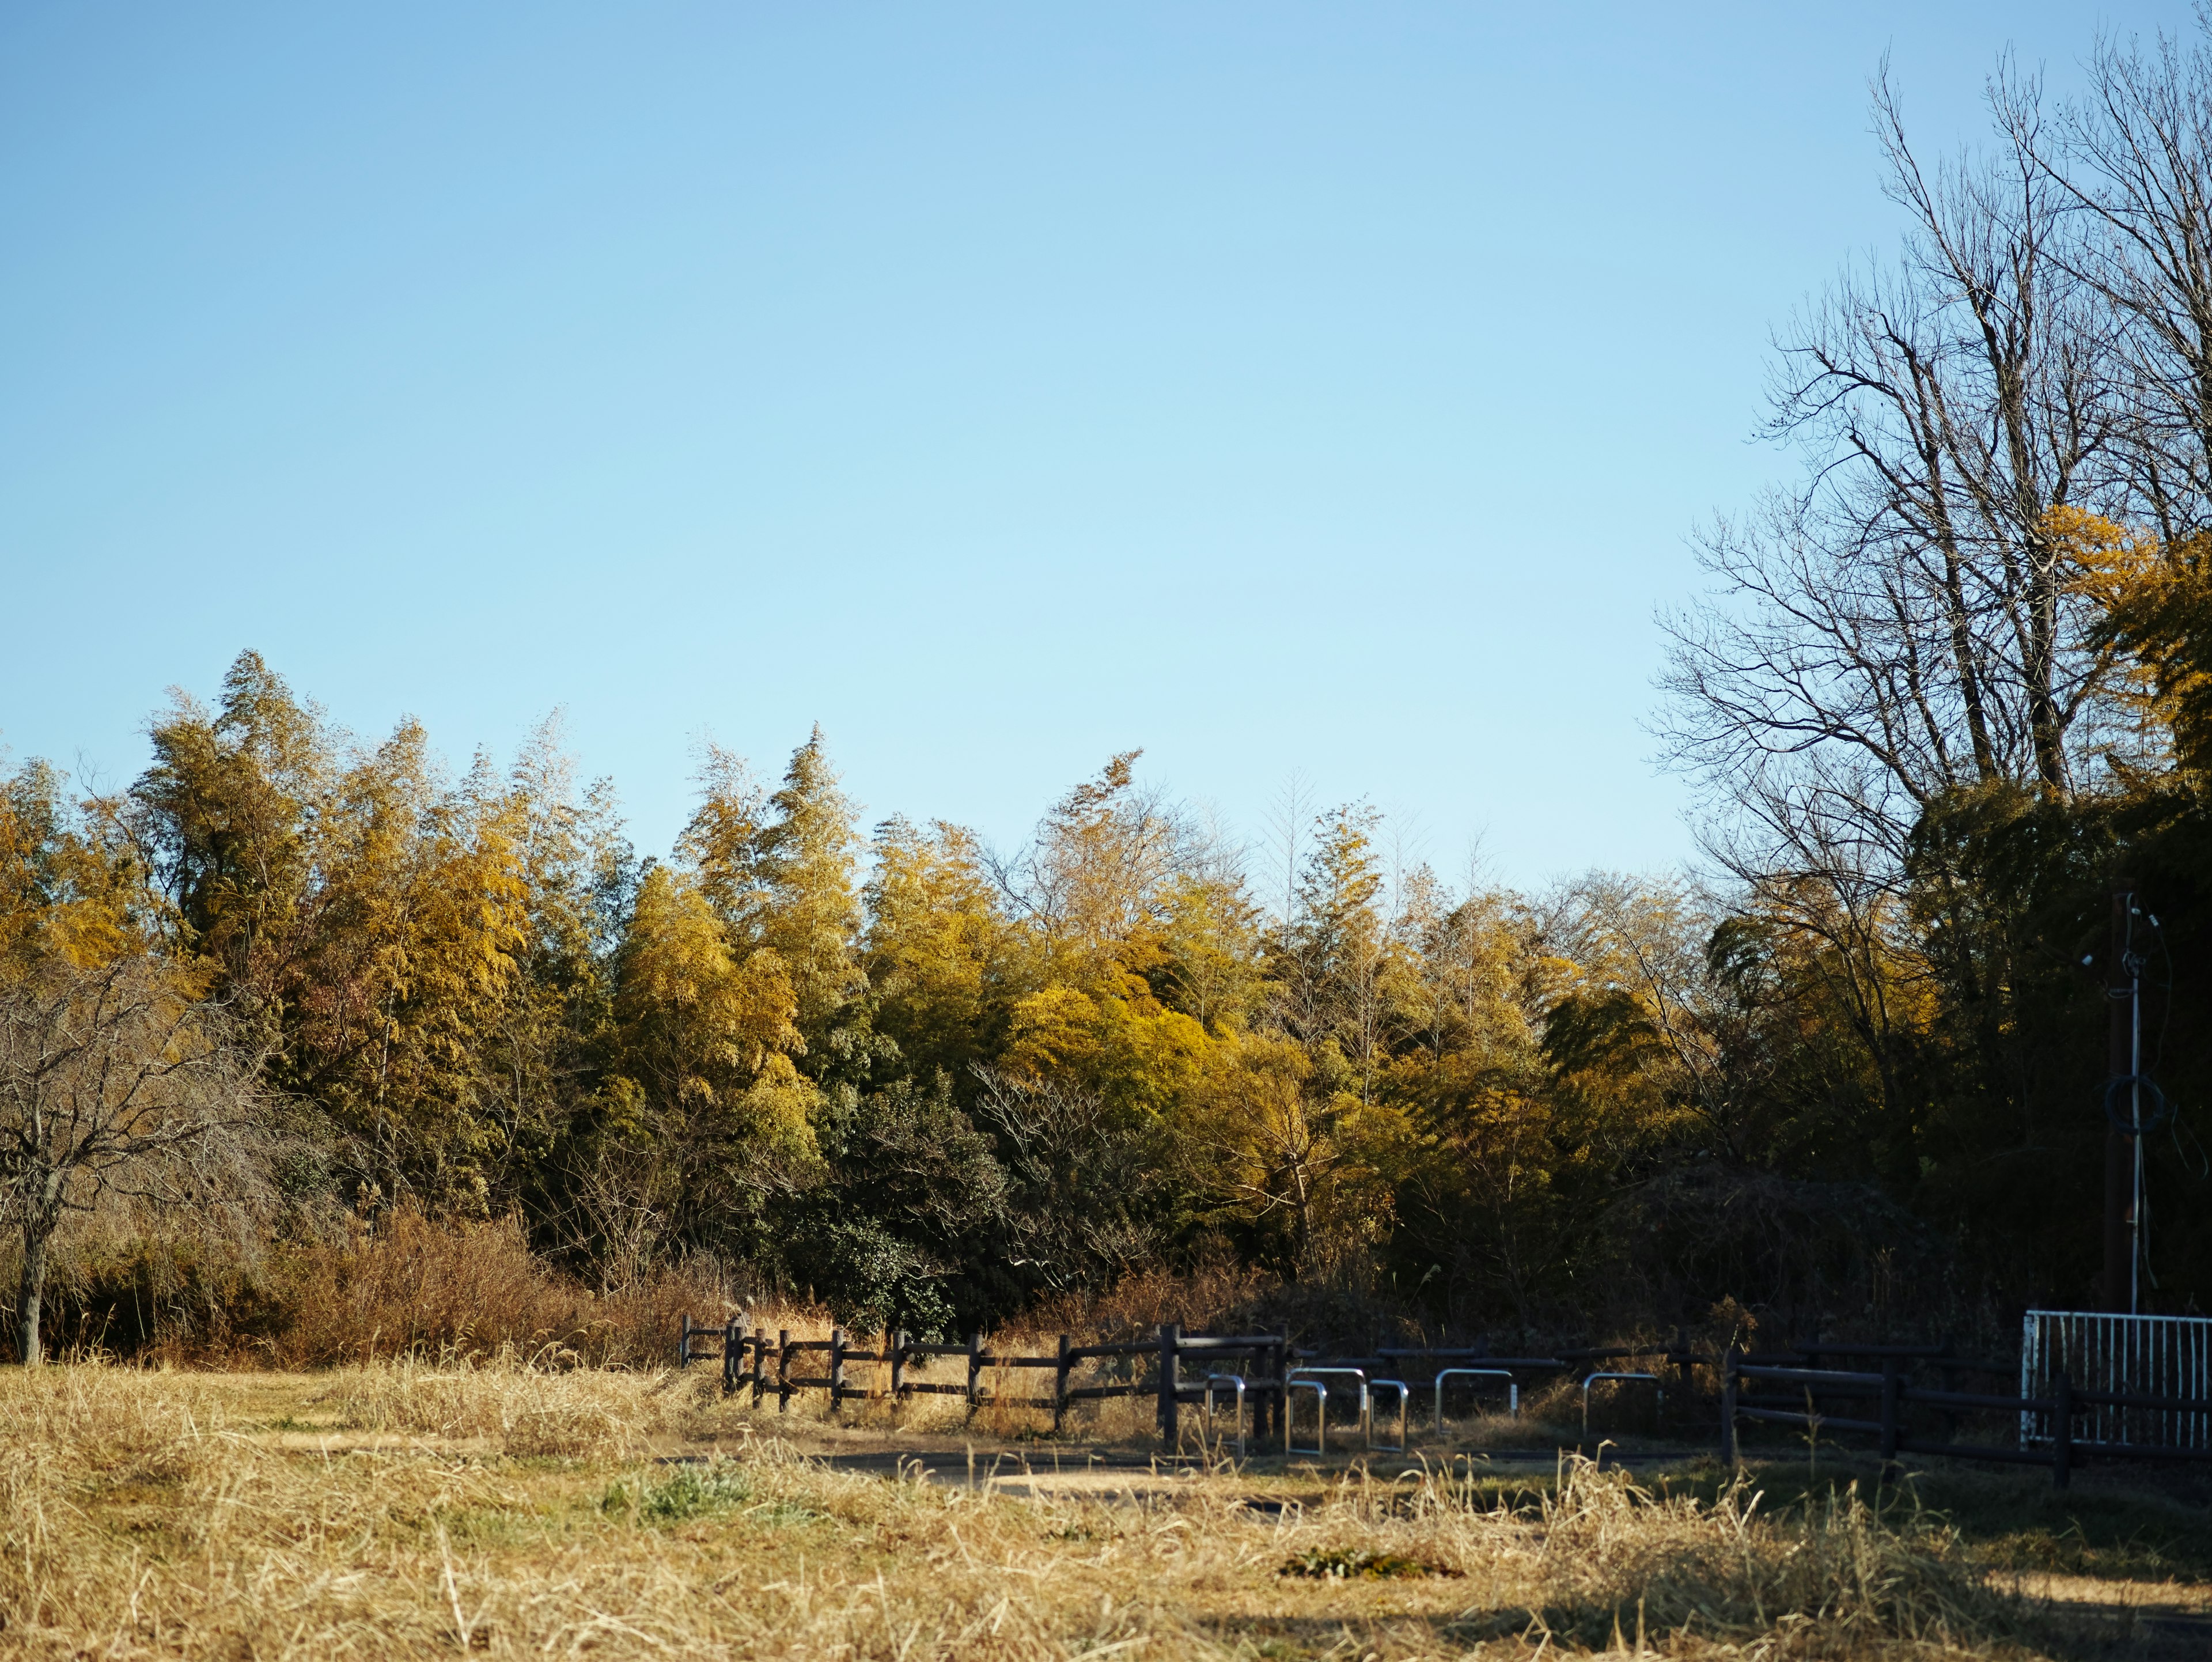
2134 1116
2119 1053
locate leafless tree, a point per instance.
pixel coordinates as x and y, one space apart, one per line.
113 1082
1079 1192
2134 158
1903 623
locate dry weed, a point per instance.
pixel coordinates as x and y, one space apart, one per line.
513 1405
155 1514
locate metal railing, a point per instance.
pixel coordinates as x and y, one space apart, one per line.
1358 1373
1512 1388
2123 1355
1237 1382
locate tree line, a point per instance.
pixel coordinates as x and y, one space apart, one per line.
1938 696
924 1080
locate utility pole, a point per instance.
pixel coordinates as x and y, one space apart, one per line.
2118 1279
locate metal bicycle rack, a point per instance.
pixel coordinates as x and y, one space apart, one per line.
1652 1378
1320 1415
1403 1398
1512 1389
1358 1373
1237 1382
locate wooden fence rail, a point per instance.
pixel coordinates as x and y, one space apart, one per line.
751 1360
1896 1395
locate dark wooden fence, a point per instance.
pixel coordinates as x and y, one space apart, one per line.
751 1361
1171 1369
1891 1425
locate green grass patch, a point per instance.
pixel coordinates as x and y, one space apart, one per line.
678 1496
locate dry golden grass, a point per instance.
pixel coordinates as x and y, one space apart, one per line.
519 1512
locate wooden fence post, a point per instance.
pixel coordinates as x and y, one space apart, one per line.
683 1343
1059 1387
1728 1407
899 1364
1283 1386
782 1369
760 1364
1170 1427
836 1369
2062 1431
1891 1385
733 1354
975 1372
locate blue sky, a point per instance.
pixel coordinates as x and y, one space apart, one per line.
1271 387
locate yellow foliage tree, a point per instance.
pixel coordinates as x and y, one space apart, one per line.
709 1039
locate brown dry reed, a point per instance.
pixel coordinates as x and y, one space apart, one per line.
409 1285
414 1287
406 1509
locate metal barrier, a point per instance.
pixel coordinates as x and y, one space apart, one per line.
2123 1355
1320 1415
1400 1446
1237 1381
1652 1379
1358 1373
1512 1389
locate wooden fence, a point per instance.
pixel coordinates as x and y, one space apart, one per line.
751 1361
1168 1368
1895 1397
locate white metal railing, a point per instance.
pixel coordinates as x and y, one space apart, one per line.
1293 1384
1512 1389
1405 1399
1315 1375
1230 1382
2142 1355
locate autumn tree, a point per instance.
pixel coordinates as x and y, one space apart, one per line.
705 1043
230 813
943 964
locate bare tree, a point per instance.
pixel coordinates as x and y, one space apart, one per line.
1904 624
112 1081
2134 157
1081 1195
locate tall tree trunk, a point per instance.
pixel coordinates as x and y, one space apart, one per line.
30 1293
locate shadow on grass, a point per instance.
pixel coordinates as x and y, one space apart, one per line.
2124 1525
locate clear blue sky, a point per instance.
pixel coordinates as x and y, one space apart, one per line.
1270 387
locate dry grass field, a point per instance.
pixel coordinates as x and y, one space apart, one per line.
400 1509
